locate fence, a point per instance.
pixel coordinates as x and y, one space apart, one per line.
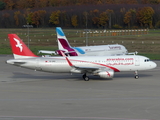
94 33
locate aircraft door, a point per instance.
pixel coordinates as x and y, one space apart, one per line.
38 68
137 63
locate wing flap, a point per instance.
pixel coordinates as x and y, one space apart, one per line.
76 69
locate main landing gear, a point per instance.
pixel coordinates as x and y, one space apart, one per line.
136 74
86 78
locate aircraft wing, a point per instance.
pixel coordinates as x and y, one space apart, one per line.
84 69
47 52
77 69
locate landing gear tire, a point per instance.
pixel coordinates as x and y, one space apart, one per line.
86 78
136 76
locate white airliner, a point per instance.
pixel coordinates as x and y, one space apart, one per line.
103 66
65 47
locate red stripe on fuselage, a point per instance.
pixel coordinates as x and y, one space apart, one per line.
113 68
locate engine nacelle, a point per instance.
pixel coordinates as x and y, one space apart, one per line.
106 74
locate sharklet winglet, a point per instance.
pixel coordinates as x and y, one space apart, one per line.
69 62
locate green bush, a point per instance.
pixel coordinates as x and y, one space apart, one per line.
116 26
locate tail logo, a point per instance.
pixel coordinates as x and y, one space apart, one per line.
18 44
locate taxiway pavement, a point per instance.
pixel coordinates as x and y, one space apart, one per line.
31 95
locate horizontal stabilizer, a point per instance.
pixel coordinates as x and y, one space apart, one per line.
47 52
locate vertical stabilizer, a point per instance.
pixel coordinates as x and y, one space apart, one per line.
19 49
62 40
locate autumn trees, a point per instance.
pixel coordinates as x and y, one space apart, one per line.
130 17
145 16
24 4
80 16
54 18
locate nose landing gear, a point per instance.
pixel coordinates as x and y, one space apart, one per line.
136 74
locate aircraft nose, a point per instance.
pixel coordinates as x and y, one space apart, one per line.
154 65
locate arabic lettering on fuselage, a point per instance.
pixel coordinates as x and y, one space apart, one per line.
112 64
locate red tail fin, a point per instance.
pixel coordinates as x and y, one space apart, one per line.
19 49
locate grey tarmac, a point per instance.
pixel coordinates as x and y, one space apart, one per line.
32 95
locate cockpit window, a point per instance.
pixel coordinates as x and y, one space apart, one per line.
146 60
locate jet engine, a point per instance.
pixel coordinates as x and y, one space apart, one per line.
106 74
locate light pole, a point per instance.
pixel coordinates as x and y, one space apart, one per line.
28 33
28 26
86 29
